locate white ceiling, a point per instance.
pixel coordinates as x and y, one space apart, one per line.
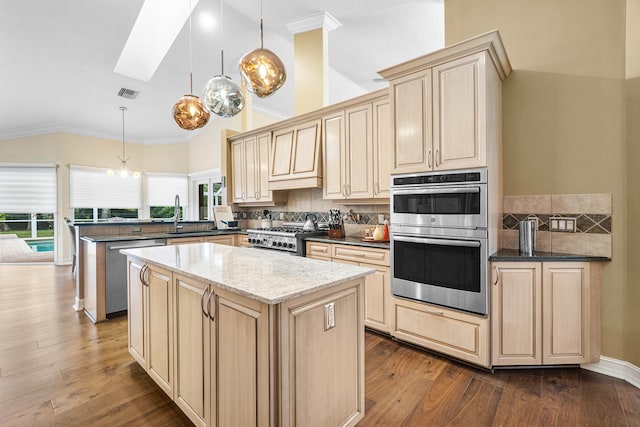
57 59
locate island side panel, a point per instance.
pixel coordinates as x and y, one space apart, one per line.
322 369
93 279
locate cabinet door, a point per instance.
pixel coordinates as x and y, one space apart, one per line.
238 177
136 312
281 152
566 312
334 156
262 167
319 250
192 362
516 298
240 338
459 113
306 149
160 318
359 152
382 143
251 169
412 126
377 293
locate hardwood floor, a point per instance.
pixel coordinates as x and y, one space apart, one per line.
59 369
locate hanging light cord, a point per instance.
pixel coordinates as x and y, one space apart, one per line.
123 110
222 40
261 43
190 56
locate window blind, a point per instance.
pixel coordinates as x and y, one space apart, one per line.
93 188
27 189
162 189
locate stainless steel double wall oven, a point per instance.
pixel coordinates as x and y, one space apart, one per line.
439 238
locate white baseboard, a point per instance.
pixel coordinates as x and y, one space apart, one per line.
616 368
78 304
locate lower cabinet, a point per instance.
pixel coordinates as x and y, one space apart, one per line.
228 360
461 335
150 322
377 286
545 313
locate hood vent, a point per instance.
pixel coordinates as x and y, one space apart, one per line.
128 93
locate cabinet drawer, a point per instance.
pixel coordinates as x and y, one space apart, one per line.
450 332
361 254
319 250
229 240
243 240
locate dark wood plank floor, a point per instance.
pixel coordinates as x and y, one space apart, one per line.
59 369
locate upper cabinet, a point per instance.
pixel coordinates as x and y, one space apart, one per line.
446 107
295 157
250 171
356 144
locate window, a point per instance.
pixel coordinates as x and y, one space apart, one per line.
27 200
97 196
207 189
161 194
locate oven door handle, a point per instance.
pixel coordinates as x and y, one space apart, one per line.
441 242
449 190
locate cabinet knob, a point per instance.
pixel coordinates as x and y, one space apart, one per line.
429 158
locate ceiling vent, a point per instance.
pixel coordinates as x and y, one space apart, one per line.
128 93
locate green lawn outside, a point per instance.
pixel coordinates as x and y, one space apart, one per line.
26 234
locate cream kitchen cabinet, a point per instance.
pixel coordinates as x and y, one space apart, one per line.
223 239
461 335
295 158
545 313
356 145
446 107
150 321
250 171
377 286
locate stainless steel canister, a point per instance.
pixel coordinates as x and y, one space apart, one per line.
527 237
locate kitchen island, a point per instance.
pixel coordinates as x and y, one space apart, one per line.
244 336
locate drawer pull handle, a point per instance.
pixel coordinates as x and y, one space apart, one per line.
437 313
495 275
204 292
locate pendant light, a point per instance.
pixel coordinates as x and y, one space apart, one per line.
221 95
123 170
189 112
261 69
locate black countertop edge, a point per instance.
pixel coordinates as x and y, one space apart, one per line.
149 236
348 240
539 256
137 222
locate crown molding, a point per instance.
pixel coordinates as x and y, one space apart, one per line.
323 20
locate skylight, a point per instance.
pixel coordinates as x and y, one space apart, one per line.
156 27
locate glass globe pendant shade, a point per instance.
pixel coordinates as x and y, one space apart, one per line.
222 96
263 72
190 113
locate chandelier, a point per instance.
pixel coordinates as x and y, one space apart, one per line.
123 170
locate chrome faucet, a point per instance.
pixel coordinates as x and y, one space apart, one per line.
176 214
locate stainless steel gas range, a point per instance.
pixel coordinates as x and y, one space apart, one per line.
288 238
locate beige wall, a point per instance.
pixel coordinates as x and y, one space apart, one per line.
631 329
564 125
65 149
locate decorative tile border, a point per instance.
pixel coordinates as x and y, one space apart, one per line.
585 223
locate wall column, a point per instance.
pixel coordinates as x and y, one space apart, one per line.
311 61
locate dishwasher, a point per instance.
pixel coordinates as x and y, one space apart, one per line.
116 274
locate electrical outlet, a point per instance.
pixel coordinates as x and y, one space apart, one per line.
281 216
380 218
562 224
329 316
536 220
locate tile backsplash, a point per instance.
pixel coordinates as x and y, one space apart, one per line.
593 216
306 201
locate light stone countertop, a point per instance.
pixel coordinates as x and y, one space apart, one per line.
268 276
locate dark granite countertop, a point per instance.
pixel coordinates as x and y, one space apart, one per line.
349 240
538 256
148 236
